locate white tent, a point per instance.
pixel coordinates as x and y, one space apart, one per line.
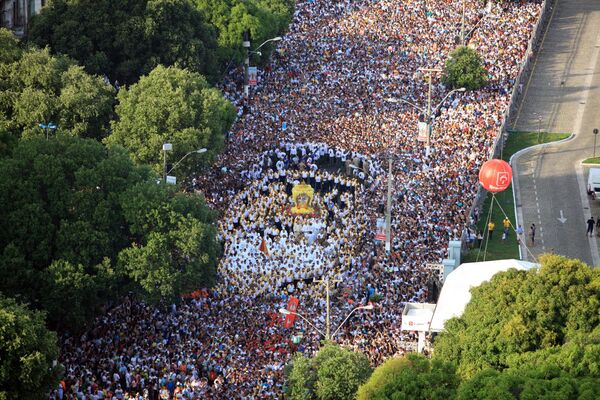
456 293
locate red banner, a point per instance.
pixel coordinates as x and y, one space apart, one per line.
289 318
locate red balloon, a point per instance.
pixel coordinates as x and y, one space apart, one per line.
495 175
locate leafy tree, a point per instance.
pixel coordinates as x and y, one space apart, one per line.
40 88
176 106
410 377
334 373
264 19
464 69
520 312
27 352
171 23
528 384
81 224
579 357
10 50
127 39
173 252
301 378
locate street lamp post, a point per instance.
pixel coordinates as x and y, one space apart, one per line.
595 132
462 25
326 334
476 25
429 110
366 307
246 45
46 127
165 147
429 72
199 151
275 39
326 281
288 312
388 211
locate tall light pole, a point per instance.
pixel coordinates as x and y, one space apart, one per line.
165 147
595 132
246 45
199 151
275 39
326 334
326 281
462 25
388 211
429 72
169 147
46 127
428 111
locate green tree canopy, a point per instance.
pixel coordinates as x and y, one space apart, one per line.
173 252
27 352
528 384
127 39
464 69
81 223
10 49
410 377
334 373
40 88
264 19
518 313
176 106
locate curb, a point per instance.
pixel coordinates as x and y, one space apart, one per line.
513 161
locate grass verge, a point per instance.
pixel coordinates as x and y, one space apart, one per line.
593 160
498 249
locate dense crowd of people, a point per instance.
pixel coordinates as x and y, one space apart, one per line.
320 115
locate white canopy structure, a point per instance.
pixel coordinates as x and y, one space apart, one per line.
456 293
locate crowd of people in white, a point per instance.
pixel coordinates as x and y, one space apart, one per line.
328 82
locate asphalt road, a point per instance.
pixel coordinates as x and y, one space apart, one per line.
562 95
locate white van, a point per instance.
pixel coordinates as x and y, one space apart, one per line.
593 186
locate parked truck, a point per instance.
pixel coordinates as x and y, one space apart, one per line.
593 186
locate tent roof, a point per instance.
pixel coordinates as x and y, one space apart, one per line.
456 293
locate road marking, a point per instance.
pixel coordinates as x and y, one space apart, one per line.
535 63
562 217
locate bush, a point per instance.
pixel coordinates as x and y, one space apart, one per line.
334 373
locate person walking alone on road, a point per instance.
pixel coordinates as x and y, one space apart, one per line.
590 226
491 227
532 234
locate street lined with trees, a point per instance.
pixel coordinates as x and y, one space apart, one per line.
127 39
82 225
87 228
